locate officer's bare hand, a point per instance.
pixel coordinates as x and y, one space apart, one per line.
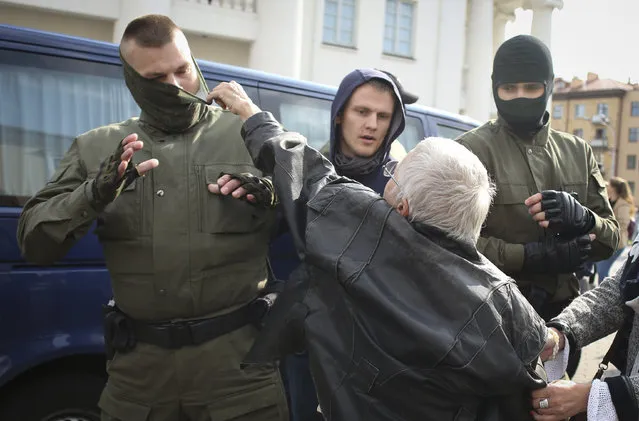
225 186
231 96
131 145
535 209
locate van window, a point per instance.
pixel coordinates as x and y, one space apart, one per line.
303 114
251 91
413 133
46 102
450 132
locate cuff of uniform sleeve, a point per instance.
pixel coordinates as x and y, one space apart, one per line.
85 205
514 261
597 224
623 398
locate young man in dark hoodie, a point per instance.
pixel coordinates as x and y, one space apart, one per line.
367 116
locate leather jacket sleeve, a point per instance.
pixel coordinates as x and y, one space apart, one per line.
299 172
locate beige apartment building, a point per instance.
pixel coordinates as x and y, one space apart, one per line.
605 113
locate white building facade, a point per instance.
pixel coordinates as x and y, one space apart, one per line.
440 49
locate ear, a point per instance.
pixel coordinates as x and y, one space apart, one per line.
403 208
338 119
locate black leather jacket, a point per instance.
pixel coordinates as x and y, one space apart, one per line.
400 321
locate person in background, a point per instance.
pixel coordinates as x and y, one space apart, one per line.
623 206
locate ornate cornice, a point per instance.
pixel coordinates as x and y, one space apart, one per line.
542 4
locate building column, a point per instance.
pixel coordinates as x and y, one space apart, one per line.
542 17
499 28
277 50
500 19
450 55
131 9
479 57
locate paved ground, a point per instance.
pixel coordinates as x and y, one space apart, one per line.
592 354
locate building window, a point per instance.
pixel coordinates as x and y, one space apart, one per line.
398 30
600 133
580 111
339 22
578 133
633 134
602 109
634 108
631 184
558 111
631 162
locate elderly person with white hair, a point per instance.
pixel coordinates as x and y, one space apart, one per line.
402 318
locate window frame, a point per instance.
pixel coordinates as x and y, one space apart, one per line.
634 108
396 28
603 131
560 109
635 131
631 158
603 106
581 107
338 26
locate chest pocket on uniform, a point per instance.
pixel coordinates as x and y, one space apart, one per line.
122 218
225 214
580 188
511 194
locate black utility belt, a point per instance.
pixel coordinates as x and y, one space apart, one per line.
174 335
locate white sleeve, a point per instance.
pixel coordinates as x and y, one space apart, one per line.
556 368
600 406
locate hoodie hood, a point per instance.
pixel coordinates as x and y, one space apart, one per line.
358 166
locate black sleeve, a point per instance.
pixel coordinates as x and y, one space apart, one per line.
623 398
299 172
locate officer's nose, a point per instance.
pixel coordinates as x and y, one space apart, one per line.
172 80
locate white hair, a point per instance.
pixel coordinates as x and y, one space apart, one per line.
446 187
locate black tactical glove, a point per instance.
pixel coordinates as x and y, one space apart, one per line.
107 185
552 256
260 187
566 216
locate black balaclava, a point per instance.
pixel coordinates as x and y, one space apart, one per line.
523 58
163 105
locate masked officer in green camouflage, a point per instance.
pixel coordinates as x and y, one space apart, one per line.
186 265
525 157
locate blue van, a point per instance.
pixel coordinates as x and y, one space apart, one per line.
52 88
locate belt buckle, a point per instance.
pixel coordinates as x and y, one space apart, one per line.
179 334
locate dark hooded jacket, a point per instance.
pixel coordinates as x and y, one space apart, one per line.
385 339
370 174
